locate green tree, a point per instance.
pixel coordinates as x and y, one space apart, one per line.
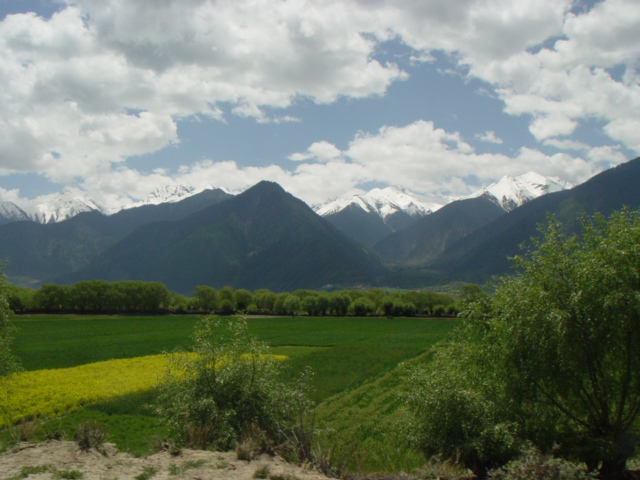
339 303
552 357
242 298
206 297
292 305
362 306
8 362
310 305
264 299
226 386
53 298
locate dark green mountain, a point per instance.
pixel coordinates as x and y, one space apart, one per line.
484 252
366 228
39 252
429 236
262 238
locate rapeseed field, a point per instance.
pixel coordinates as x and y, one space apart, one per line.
56 392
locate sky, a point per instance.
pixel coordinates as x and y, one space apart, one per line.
110 99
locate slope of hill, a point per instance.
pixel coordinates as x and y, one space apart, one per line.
429 236
262 238
513 192
10 212
40 251
369 217
484 252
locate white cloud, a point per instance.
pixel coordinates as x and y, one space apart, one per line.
319 151
103 80
489 136
419 156
435 162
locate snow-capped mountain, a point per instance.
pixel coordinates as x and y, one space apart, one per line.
10 212
512 192
170 194
61 207
384 202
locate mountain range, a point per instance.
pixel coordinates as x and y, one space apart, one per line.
266 238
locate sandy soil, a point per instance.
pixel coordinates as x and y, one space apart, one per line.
64 456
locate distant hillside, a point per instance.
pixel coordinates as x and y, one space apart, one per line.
370 217
262 238
39 252
484 252
429 236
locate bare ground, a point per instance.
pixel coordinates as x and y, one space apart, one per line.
63 457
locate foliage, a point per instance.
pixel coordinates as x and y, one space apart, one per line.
184 466
552 357
32 470
362 307
89 436
147 473
226 385
292 305
8 362
68 474
338 304
206 298
534 465
99 296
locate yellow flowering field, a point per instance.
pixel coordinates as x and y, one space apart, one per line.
51 393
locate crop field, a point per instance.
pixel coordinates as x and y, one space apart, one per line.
354 361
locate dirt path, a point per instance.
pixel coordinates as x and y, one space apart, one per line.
58 457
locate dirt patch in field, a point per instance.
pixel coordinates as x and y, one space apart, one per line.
59 459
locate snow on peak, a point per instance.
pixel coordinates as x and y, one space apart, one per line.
384 202
61 207
12 212
512 192
170 194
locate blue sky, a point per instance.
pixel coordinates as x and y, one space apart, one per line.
110 99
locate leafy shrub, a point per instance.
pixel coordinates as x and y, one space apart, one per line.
24 431
227 307
89 435
262 472
227 386
252 309
361 307
147 473
68 474
534 465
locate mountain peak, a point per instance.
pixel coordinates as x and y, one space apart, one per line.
61 207
383 202
511 192
169 194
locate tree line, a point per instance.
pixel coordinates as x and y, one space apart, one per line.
99 296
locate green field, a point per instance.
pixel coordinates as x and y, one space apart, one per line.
347 355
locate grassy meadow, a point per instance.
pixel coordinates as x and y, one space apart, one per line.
354 360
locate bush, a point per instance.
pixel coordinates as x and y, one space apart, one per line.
534 465
552 357
227 307
226 386
90 435
361 307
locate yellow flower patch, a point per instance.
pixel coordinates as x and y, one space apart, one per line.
52 393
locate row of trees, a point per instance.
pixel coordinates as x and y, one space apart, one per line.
95 296
344 302
99 296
